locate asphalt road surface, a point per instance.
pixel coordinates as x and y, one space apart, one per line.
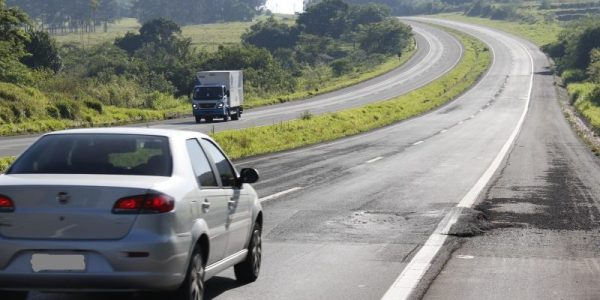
438 52
544 205
343 219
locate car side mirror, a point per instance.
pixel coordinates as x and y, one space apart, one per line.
248 175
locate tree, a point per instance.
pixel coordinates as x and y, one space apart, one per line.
594 68
589 39
159 31
327 18
197 11
43 52
12 44
388 37
271 34
367 14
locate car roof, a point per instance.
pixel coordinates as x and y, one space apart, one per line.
134 130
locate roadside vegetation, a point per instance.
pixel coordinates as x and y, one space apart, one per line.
540 33
572 39
147 74
577 57
310 129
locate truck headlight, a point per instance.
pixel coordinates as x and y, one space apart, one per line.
220 105
195 106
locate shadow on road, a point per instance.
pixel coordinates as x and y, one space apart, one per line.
214 287
219 285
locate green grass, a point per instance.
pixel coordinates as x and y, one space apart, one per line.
210 36
116 29
336 83
538 33
316 129
204 36
581 95
5 163
111 116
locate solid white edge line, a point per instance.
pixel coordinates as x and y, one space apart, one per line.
375 159
412 274
418 143
277 195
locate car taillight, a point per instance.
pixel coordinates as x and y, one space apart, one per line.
144 204
6 204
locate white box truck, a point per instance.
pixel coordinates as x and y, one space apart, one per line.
218 94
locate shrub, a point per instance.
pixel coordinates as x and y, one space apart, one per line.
342 66
68 109
595 95
53 112
95 105
161 101
573 75
306 115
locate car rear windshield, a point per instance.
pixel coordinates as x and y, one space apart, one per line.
108 154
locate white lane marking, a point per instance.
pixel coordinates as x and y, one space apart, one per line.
413 273
465 256
460 123
277 195
444 131
418 143
374 159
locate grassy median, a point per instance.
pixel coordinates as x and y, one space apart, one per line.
539 33
310 129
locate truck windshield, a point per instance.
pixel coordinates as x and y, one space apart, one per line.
208 93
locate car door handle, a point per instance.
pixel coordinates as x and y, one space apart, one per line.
205 205
232 204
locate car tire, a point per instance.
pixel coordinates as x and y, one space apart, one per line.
248 270
13 295
226 117
198 119
193 286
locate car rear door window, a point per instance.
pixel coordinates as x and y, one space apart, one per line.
204 173
226 171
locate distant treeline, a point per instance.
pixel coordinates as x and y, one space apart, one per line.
63 16
415 7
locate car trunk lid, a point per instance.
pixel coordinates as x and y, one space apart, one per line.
79 210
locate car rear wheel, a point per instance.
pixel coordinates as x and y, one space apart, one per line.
192 287
13 295
248 270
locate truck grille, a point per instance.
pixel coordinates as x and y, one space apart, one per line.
207 106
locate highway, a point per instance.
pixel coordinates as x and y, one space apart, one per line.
365 217
438 52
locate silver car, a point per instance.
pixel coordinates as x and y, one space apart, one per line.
126 209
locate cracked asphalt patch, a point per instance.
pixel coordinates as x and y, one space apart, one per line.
564 203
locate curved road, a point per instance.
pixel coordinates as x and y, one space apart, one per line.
344 219
438 52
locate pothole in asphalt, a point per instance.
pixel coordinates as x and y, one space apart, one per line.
470 223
